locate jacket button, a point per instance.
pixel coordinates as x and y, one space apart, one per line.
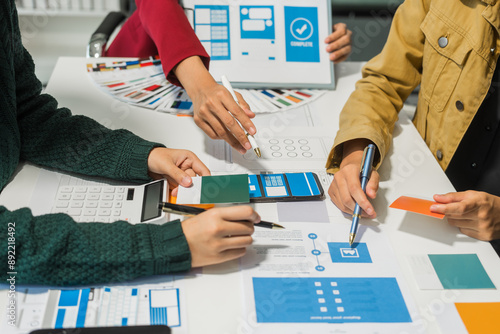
460 106
442 41
492 50
439 155
473 165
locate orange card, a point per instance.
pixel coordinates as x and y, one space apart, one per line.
417 205
480 318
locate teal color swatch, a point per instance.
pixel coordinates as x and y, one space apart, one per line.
460 271
225 189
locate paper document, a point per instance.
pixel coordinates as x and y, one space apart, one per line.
127 305
308 273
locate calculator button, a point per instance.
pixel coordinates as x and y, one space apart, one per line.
95 189
74 212
81 189
91 204
66 189
292 154
104 212
288 141
107 197
118 204
62 204
290 148
64 196
120 190
77 204
303 141
117 212
109 190
79 197
89 212
119 197
106 205
93 197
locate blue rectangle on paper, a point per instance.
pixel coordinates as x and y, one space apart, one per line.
261 26
69 298
82 309
343 252
301 34
60 318
219 30
124 321
134 292
254 187
329 300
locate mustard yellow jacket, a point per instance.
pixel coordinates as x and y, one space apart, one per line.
450 48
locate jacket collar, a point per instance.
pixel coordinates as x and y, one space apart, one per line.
490 13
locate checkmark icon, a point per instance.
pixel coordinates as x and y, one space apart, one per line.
301 30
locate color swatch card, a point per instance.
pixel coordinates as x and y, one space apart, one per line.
141 82
215 189
449 271
480 318
416 205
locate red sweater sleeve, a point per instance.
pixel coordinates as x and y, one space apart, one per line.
158 27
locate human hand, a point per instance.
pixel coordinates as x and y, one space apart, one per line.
214 108
220 234
345 190
339 43
177 166
475 213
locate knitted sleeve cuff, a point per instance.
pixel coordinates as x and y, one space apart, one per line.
170 248
133 164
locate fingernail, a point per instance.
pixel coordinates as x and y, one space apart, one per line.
248 145
369 211
252 131
242 151
186 181
434 207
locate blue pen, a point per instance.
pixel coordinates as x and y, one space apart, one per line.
364 174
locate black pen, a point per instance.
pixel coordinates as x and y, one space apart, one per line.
193 211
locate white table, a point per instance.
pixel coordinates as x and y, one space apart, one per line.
410 169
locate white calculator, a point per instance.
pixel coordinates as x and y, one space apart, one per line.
94 202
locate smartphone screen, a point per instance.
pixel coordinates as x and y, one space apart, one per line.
285 187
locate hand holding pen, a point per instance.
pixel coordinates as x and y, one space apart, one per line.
218 235
364 175
251 139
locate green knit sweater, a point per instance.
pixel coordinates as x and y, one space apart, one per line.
53 249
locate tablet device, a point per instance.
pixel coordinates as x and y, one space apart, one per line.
285 187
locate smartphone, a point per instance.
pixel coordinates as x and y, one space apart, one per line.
155 329
285 187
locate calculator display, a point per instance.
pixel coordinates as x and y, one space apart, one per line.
152 196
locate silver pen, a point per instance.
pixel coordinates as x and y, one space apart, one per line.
251 139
